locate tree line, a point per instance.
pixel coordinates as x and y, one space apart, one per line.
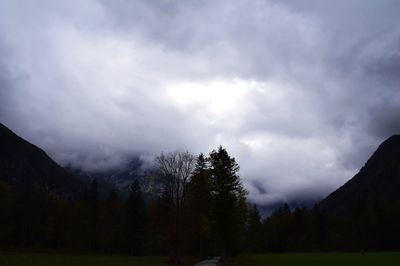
202 211
372 225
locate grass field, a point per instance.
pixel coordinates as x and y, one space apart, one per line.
286 259
322 259
50 259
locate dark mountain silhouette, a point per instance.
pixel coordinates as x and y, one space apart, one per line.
377 181
24 167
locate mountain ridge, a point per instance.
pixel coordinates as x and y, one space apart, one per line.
24 166
377 180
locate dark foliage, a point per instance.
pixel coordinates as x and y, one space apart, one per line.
366 228
202 211
228 202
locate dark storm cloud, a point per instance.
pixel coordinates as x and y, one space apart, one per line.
300 92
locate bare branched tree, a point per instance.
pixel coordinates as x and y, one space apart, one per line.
177 168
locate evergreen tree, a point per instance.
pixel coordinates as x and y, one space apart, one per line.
199 207
254 230
6 204
93 205
228 201
110 223
136 218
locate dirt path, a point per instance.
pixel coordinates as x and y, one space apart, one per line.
209 262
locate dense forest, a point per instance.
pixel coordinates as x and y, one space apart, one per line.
202 211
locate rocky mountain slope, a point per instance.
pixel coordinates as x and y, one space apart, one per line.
377 181
24 167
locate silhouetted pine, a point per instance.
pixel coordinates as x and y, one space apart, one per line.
199 205
136 219
228 202
254 237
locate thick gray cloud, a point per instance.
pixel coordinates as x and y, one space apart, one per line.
300 92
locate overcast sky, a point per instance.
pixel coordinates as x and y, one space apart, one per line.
299 92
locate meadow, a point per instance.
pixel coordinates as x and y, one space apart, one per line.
284 259
54 259
322 259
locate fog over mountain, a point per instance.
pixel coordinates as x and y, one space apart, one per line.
299 92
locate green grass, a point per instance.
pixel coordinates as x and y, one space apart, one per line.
51 259
322 259
285 259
